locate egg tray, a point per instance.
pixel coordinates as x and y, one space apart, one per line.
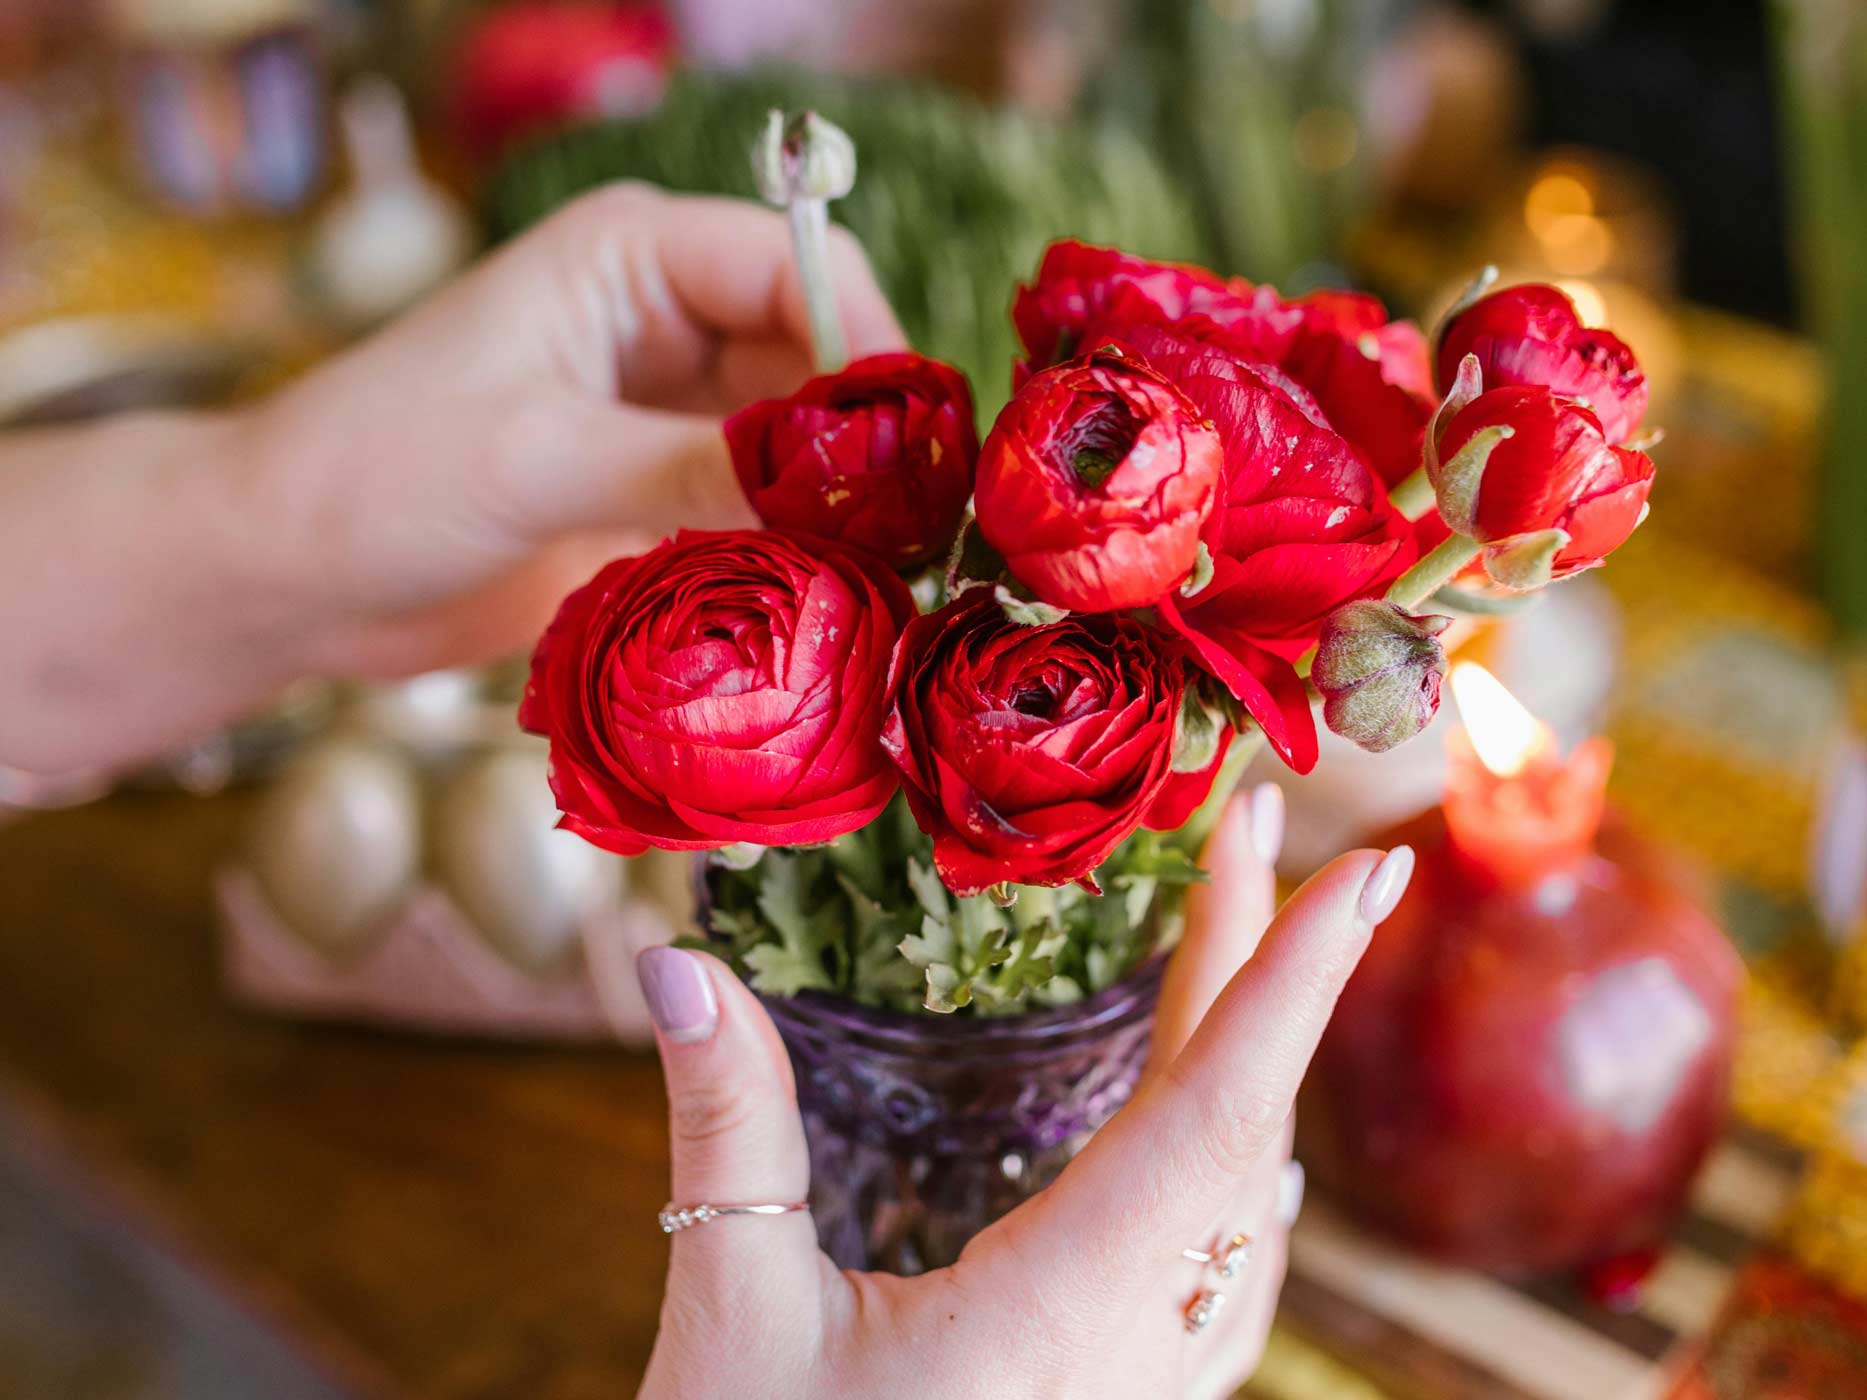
427 969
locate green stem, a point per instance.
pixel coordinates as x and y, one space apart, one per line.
1439 567
810 236
1414 496
1191 838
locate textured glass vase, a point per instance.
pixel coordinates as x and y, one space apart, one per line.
924 1129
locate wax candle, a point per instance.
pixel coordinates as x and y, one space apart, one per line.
1517 810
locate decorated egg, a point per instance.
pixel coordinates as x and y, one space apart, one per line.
527 887
337 844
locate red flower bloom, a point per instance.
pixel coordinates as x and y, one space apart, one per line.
1030 753
1557 471
1094 482
723 687
1532 335
1303 527
1372 377
878 455
1078 284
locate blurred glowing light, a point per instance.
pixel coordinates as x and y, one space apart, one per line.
1554 197
1590 305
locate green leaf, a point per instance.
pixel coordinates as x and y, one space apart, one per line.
1201 576
742 856
1025 611
1196 733
784 972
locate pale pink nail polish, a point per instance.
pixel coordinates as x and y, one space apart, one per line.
1267 822
679 993
1386 885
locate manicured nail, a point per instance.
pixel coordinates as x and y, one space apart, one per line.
1267 821
1387 884
1290 1186
679 993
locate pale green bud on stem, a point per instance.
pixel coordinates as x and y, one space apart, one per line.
1379 669
801 165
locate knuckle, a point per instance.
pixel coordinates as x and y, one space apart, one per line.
1241 1126
710 1115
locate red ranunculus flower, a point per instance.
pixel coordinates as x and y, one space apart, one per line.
724 687
1557 471
878 455
1532 335
1094 483
1079 285
1303 527
1372 377
1030 753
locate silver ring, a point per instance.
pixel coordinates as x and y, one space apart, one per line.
1200 1312
1229 1258
676 1217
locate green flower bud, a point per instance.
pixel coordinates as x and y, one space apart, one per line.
1379 669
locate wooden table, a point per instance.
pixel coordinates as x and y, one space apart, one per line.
418 1219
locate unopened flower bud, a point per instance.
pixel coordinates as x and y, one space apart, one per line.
805 157
1379 670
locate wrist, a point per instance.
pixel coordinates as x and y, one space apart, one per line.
142 607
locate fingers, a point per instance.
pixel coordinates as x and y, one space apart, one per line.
1225 918
1150 1182
735 1136
676 277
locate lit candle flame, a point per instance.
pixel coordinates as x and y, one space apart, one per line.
1503 734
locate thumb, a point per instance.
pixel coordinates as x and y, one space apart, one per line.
734 1134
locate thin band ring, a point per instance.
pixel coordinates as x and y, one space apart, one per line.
1228 1258
677 1217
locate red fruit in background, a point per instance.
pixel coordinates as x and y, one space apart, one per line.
528 66
1526 1080
1094 482
878 456
1532 335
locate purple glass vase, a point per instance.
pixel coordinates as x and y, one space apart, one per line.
924 1129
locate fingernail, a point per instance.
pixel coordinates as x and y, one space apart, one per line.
679 993
1290 1186
1386 885
1267 822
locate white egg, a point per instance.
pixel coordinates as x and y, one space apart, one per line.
337 843
527 887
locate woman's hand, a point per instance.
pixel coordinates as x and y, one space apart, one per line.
422 500
1083 1290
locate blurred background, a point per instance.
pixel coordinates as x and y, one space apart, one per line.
201 198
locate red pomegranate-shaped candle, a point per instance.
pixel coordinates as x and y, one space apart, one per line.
1532 1060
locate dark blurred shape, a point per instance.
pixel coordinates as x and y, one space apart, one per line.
1685 87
